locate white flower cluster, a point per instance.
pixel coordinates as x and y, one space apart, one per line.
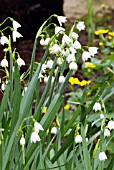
65 50
15 33
4 40
34 135
110 126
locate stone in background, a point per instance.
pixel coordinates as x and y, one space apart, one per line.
76 9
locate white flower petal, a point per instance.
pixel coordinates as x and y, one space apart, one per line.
80 26
34 137
4 40
15 35
97 106
78 139
20 62
61 19
16 25
4 63
102 156
38 127
22 141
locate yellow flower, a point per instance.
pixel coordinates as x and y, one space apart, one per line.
100 43
109 37
45 109
101 32
72 80
90 65
89 81
66 107
76 81
103 6
89 70
88 93
84 82
111 34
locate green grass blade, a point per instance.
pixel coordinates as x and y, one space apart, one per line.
65 146
4 103
85 150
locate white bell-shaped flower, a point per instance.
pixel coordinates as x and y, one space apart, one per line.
66 52
47 41
3 86
54 130
40 77
16 25
42 42
80 25
49 64
73 66
85 56
106 133
102 156
61 79
78 139
59 61
75 35
97 106
111 124
20 62
4 40
4 63
70 58
93 51
55 49
24 90
22 141
15 35
76 45
43 68
46 79
61 19
38 127
73 51
66 40
101 115
59 30
34 137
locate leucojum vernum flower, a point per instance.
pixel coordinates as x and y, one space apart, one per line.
42 120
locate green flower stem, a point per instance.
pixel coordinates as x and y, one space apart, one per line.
6 28
23 153
4 21
35 45
11 66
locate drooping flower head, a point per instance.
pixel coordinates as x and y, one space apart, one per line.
78 139
15 35
20 62
4 40
97 106
4 63
61 19
102 156
16 25
80 25
38 127
34 137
